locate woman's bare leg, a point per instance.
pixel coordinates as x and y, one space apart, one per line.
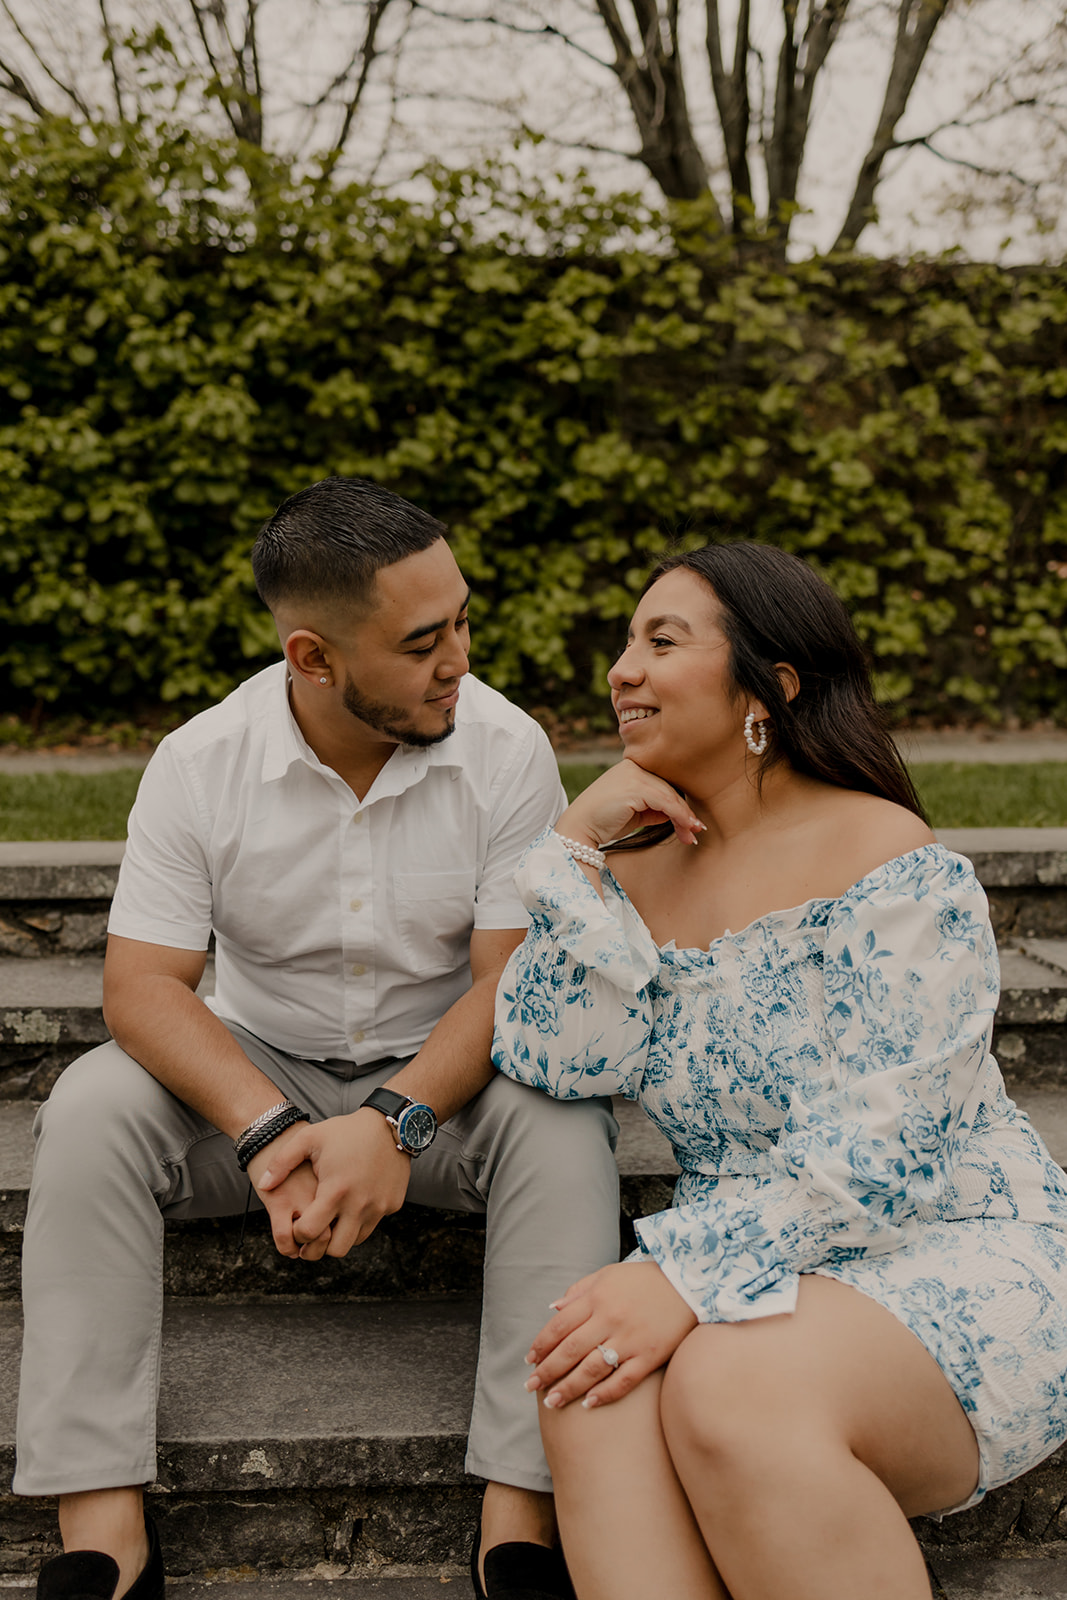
626 1527
804 1443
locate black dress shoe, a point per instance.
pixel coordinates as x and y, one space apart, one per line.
91 1575
521 1571
936 1591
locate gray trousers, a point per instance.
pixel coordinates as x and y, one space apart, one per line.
116 1153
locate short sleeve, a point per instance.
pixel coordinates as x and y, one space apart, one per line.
573 1012
164 891
910 989
528 798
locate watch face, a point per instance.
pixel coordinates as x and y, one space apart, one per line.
417 1127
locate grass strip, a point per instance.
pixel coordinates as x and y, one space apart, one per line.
66 805
965 794
957 794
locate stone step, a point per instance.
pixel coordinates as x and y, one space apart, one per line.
294 1437
50 1014
1041 1577
391 1583
54 896
319 1440
418 1252
1020 1578
442 1583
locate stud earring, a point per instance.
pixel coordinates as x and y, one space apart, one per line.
757 746
324 680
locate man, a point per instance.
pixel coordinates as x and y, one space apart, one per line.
347 824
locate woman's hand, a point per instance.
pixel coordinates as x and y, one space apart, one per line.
630 1308
623 799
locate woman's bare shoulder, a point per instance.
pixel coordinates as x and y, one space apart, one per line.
863 832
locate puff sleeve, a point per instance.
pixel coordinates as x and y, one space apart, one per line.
910 980
573 1013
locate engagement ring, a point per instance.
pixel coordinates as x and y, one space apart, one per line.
610 1356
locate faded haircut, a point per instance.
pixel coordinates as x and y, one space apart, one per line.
330 540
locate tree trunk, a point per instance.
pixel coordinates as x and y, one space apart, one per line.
799 65
732 100
656 91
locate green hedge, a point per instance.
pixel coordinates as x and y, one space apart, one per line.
569 384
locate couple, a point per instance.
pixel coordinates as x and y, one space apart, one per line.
854 1312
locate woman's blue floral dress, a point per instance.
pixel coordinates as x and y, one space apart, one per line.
825 1079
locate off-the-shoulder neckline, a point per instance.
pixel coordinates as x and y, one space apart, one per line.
670 948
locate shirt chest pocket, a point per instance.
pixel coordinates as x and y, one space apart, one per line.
435 916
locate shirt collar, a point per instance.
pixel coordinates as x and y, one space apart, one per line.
284 743
408 764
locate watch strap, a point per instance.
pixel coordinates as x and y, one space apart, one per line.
388 1102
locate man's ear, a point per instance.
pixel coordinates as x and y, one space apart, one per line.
308 656
789 679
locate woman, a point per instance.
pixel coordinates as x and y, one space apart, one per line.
856 1311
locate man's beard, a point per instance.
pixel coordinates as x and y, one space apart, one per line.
393 721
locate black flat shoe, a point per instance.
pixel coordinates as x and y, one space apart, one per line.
91 1575
521 1572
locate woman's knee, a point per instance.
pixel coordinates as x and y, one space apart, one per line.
719 1402
573 1435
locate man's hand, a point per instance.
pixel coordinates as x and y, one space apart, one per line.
359 1177
287 1202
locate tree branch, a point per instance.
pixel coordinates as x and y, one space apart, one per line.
545 30
111 54
251 45
732 99
366 55
15 84
799 65
65 88
239 89
917 21
961 161
655 88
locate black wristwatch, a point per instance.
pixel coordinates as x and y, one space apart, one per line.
415 1123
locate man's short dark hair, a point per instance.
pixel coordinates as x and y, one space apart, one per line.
329 541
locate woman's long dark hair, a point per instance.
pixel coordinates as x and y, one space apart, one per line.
775 608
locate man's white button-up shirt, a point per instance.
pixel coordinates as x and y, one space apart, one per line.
342 927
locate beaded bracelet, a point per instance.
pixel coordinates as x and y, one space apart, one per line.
251 1145
584 853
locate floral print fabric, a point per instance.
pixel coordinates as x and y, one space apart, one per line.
825 1079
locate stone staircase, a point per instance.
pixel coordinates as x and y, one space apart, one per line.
312 1417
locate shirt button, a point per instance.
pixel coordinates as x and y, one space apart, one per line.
357 816
356 905
358 970
358 1038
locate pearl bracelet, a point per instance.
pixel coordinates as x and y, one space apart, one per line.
584 852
